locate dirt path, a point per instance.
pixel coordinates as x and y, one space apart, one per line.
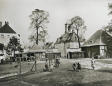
86 63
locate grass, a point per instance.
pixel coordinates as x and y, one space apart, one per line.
64 76
14 67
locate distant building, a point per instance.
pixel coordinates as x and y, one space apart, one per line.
6 32
99 44
68 43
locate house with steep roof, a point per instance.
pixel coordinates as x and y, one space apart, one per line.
98 45
67 44
6 32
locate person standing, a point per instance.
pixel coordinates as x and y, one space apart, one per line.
57 62
51 67
93 63
46 66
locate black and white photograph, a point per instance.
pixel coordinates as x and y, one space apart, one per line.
55 42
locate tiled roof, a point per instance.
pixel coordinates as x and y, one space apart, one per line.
7 29
100 37
68 37
49 45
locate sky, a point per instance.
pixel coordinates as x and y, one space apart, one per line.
93 12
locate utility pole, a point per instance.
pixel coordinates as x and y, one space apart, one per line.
35 64
20 65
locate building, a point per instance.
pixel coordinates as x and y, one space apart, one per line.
68 44
6 32
98 45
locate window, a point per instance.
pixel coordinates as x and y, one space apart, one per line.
2 35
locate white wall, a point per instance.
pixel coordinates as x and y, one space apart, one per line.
74 45
68 47
102 50
5 37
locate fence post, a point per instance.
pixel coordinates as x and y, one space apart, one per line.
35 63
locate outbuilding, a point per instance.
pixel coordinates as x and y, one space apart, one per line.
99 45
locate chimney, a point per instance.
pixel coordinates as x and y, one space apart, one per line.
0 24
6 22
66 28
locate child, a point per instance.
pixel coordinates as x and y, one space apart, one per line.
51 67
93 63
78 66
57 62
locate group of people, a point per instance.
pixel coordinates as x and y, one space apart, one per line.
76 66
50 67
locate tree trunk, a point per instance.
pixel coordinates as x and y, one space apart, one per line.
20 66
35 64
37 36
78 38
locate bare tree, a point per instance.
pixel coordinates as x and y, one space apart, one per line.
77 26
39 19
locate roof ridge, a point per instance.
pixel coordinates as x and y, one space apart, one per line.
95 39
6 29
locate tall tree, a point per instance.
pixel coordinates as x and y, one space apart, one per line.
77 25
39 19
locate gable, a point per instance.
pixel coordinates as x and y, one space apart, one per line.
7 29
68 37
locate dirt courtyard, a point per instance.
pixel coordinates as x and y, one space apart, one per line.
65 76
